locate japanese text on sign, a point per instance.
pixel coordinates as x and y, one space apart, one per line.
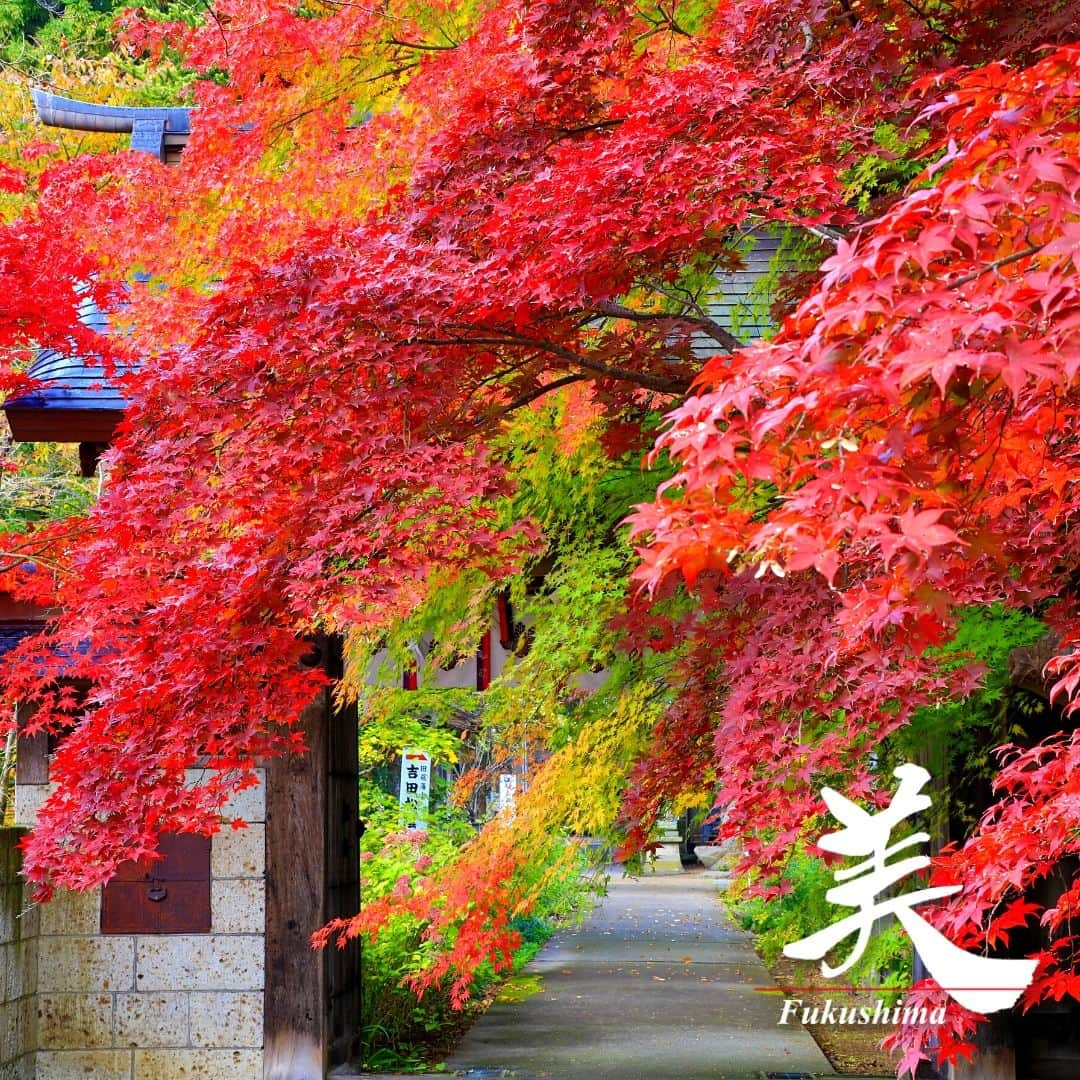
507 792
415 787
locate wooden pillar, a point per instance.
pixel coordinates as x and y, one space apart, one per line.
294 1023
32 759
343 882
995 1057
312 865
31 787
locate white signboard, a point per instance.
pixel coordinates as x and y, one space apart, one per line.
507 792
415 787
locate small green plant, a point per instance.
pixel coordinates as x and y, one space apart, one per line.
887 171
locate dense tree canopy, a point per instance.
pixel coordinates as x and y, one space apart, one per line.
415 250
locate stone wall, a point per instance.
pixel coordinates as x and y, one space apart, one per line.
159 1007
18 966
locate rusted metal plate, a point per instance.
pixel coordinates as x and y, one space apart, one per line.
169 896
186 857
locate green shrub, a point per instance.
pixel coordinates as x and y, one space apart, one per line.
803 910
394 1024
397 1028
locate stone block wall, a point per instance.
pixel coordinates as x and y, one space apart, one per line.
18 966
159 1006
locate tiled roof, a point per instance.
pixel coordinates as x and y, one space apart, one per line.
740 302
75 403
12 633
69 382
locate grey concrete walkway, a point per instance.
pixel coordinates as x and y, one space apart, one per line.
657 984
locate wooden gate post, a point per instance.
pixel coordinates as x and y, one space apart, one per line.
312 858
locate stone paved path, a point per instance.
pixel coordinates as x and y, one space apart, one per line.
657 984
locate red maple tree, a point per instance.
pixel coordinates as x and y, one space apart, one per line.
916 419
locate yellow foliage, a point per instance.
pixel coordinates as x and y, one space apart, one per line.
578 789
32 148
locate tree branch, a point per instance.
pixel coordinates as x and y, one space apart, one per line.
845 7
825 232
420 45
18 558
703 322
598 125
990 267
660 383
933 22
540 391
663 384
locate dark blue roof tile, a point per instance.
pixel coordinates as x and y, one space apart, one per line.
12 633
75 401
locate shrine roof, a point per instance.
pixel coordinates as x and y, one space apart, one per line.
57 111
75 401
11 634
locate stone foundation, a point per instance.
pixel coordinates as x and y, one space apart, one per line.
141 1006
18 967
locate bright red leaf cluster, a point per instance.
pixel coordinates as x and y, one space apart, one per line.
350 307
917 422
